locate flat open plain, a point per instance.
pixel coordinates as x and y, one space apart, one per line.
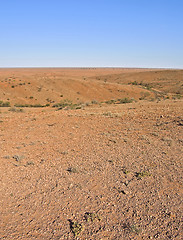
91 154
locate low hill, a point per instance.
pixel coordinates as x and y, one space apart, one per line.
51 86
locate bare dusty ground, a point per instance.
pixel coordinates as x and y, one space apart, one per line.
105 171
50 86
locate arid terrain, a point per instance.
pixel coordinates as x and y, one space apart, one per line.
91 154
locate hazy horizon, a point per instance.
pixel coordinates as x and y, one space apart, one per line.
88 67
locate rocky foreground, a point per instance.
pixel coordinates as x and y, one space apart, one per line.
109 172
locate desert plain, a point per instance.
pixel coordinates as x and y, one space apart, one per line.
91 153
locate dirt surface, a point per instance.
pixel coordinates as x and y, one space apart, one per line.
103 171
50 86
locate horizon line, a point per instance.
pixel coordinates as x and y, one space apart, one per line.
89 67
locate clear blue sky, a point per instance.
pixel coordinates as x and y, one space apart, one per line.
101 33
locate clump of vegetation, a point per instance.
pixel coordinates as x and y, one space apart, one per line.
120 101
63 104
125 100
134 83
4 104
31 105
94 102
112 101
49 100
18 158
76 228
39 89
146 85
177 96
132 228
67 104
140 175
107 114
13 109
29 163
91 217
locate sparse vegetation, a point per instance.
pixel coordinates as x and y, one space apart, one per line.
177 96
91 217
120 101
67 104
112 101
125 100
134 83
13 109
31 105
146 85
4 104
115 171
94 102
107 114
76 228
18 158
29 163
144 95
39 89
140 175
63 104
132 228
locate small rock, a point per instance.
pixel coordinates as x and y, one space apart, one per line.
124 191
72 170
126 182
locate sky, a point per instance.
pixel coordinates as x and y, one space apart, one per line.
91 33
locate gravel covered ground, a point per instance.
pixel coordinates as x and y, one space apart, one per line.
109 172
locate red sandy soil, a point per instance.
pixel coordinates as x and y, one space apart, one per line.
42 86
105 171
